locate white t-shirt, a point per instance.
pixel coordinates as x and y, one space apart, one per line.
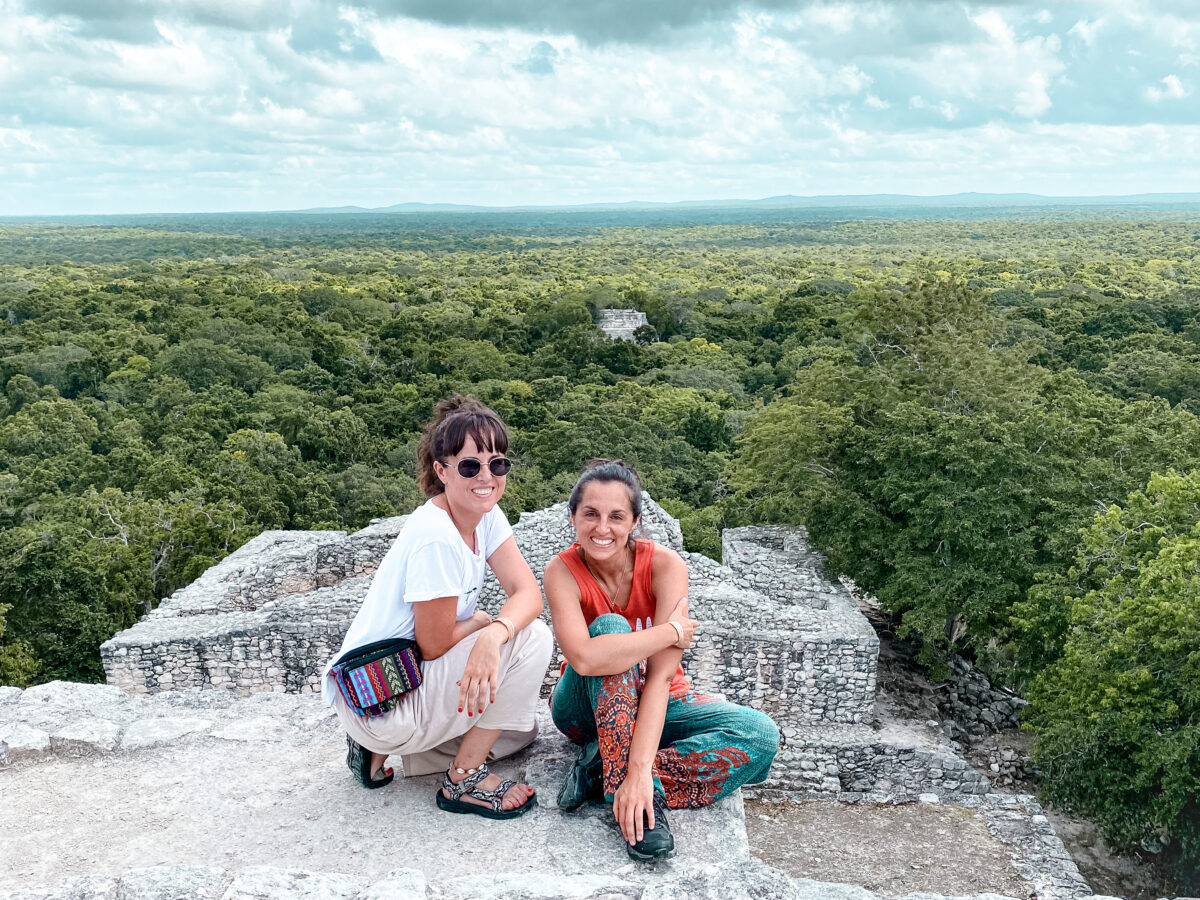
429 559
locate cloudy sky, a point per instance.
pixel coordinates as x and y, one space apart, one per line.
198 105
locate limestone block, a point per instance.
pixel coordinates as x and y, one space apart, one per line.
398 884
153 732
269 883
20 741
259 728
9 695
86 737
820 890
87 887
54 704
171 883
747 880
537 886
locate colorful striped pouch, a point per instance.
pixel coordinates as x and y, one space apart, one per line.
374 679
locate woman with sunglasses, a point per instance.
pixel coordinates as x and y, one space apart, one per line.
648 741
481 676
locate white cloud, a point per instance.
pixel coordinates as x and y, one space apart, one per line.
1032 100
944 108
1085 30
237 105
1172 89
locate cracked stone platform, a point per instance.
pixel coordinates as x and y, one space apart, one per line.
200 794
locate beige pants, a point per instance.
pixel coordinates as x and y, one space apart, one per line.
426 728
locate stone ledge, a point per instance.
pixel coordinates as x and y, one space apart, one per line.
747 880
208 795
840 759
1017 820
228 773
777 560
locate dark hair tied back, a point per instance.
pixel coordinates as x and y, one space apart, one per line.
605 471
454 420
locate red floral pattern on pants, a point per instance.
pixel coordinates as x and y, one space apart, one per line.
616 713
692 780
689 780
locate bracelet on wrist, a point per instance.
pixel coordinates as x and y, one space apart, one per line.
678 630
508 625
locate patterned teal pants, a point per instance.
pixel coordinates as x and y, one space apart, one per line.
709 748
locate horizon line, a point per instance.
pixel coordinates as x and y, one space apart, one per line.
988 198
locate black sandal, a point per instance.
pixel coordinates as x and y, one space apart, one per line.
495 797
358 759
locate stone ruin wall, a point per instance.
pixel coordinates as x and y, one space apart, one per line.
776 635
620 324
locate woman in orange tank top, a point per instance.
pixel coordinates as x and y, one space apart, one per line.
648 741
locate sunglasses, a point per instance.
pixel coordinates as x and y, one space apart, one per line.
469 467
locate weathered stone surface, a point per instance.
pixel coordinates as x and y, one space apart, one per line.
152 732
268 883
19 741
9 695
536 886
86 737
821 890
86 887
399 884
746 880
259 728
52 703
171 883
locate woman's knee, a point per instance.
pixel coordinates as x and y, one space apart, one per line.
538 634
609 623
763 736
533 645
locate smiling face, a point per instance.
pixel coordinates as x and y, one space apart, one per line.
471 497
604 519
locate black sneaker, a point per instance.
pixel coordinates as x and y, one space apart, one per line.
656 842
585 779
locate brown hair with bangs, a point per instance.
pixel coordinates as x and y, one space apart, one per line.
454 420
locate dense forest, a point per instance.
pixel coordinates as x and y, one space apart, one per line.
989 419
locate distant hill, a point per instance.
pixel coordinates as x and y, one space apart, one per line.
781 208
858 201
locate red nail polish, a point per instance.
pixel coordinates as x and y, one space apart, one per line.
460 709
469 715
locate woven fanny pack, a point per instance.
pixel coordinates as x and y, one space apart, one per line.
374 679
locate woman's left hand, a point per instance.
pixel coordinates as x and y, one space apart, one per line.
477 687
633 803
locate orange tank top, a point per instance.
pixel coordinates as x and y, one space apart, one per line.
640 610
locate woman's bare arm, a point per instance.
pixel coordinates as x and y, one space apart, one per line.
435 627
524 603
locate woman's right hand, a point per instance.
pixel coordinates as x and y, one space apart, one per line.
679 615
